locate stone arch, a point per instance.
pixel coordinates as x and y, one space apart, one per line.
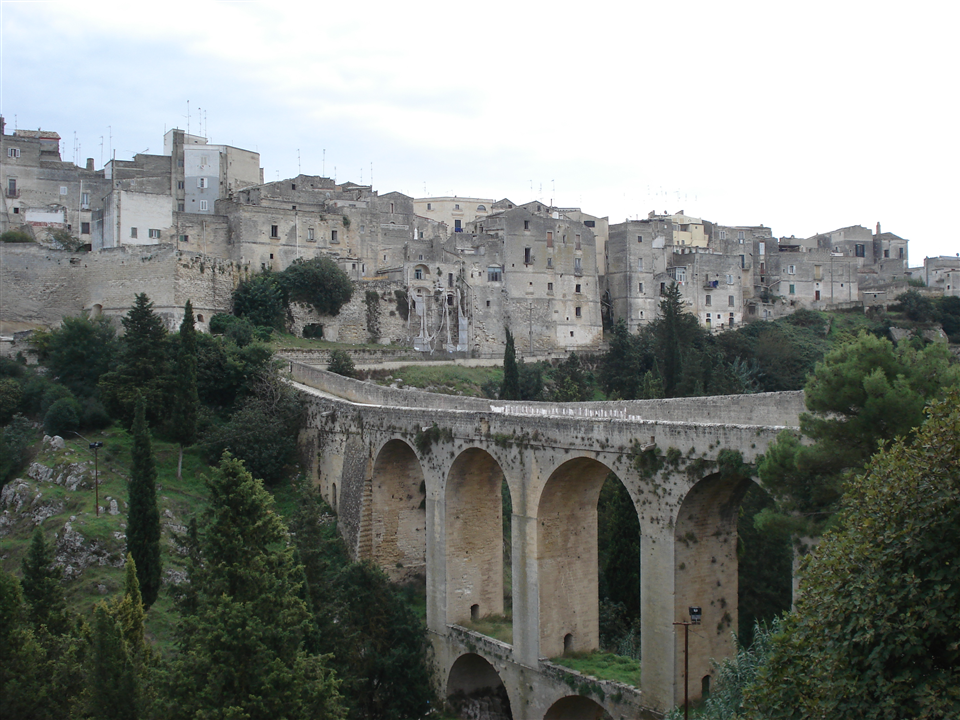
474 536
567 557
475 689
576 707
397 516
705 573
96 310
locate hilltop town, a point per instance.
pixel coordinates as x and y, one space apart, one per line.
438 274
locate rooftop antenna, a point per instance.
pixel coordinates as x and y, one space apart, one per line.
324 165
101 150
188 117
371 173
110 146
299 171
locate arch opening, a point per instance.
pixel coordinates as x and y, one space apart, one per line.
397 520
567 549
474 500
706 573
618 560
474 689
576 707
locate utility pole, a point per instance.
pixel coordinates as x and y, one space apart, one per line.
695 615
95 446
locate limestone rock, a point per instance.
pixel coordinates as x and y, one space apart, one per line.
56 442
114 509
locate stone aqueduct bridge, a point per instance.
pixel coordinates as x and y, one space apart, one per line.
416 479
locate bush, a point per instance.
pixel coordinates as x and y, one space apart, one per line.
10 396
94 415
261 300
15 441
16 236
342 364
62 417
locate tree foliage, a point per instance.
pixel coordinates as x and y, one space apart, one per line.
863 394
143 521
79 352
317 282
243 618
186 401
342 364
510 390
874 632
41 586
143 368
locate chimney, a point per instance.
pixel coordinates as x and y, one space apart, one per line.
878 229
90 164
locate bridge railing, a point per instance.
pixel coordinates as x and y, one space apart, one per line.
780 409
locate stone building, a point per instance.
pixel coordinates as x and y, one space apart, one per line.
41 193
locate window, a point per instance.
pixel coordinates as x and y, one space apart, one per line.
181 207
450 280
549 287
488 303
729 300
549 262
708 300
203 159
333 236
723 234
901 253
392 208
494 273
184 238
13 152
293 186
180 184
791 269
590 223
481 208
816 295
418 274
526 224
202 183
663 288
450 300
549 238
457 206
429 206
578 289
577 312
793 289
577 245
180 162
153 234
729 279
84 201
11 187
640 265
274 231
740 236
577 265
761 247
458 225
204 206
639 238
679 274
64 190
859 250
313 238
84 228
640 288
818 272
16 211
743 262
886 253
133 232
527 256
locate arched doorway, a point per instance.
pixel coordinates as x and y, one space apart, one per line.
474 689
576 707
567 557
397 518
474 537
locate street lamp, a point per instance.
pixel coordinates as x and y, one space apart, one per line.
695 614
95 446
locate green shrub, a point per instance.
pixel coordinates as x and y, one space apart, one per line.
94 415
342 364
63 417
16 236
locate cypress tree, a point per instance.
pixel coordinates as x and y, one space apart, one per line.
112 685
185 399
511 373
143 522
41 587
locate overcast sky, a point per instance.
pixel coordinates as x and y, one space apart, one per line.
804 117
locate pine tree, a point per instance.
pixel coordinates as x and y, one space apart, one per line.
112 684
128 609
243 618
41 587
143 364
143 521
23 680
511 373
185 400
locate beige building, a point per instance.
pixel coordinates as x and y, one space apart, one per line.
455 212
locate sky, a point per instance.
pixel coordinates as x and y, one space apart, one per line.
804 117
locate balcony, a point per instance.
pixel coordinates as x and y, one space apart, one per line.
11 193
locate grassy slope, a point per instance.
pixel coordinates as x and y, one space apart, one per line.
178 502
